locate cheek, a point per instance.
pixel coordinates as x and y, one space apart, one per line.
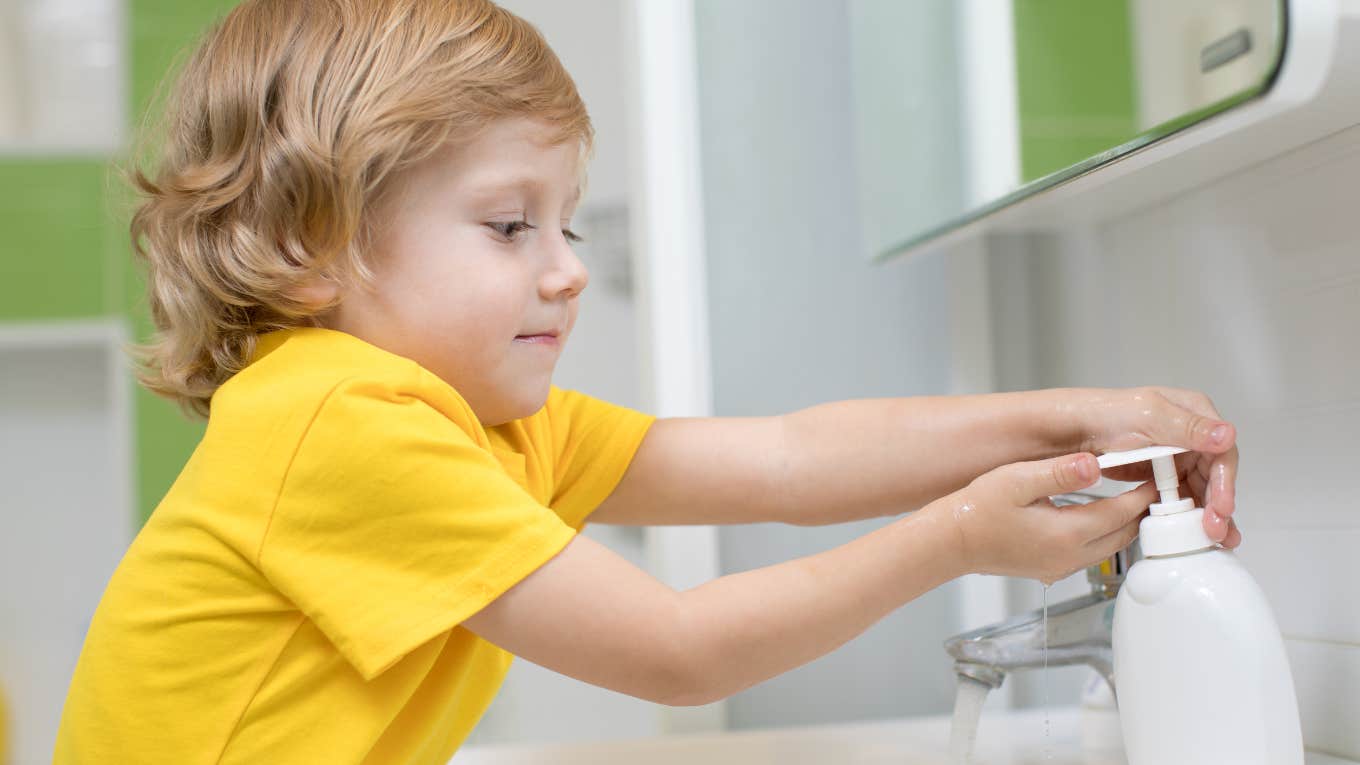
573 310
426 277
460 286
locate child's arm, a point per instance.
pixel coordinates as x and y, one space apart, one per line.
590 614
865 458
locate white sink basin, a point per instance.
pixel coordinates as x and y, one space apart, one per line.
1010 738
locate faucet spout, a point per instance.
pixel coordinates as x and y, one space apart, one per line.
1078 632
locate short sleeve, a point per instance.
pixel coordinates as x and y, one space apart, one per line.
593 443
393 525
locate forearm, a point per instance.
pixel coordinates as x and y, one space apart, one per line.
865 458
744 628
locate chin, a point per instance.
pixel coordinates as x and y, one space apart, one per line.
522 404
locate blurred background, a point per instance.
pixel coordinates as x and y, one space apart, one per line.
822 135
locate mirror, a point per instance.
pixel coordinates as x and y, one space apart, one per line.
964 106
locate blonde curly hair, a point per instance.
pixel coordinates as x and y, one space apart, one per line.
280 133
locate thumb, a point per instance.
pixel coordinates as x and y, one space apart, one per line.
1032 481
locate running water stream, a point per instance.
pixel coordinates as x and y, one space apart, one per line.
967 709
968 701
1048 751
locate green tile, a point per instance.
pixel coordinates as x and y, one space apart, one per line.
52 251
165 439
1074 64
163 33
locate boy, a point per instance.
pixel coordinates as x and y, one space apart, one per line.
358 244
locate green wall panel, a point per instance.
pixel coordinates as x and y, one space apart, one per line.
54 260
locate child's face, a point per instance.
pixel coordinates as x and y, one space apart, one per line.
463 289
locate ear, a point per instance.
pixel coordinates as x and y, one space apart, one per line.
319 290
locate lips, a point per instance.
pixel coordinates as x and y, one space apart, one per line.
540 338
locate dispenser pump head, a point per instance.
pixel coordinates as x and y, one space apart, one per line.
1163 470
1159 535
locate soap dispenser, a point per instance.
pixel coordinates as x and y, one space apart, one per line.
1200 669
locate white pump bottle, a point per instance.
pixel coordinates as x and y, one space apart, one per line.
1200 669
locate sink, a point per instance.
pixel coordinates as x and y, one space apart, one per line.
1004 738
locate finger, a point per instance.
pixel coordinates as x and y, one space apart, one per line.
1221 492
1193 464
1197 484
1234 537
1032 481
1220 473
1103 547
1189 419
1107 516
1216 526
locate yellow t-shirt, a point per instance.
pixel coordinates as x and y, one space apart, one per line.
296 597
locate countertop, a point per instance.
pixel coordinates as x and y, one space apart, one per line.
1010 738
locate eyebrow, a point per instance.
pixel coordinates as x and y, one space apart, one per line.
526 183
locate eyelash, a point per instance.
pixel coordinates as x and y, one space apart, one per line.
513 227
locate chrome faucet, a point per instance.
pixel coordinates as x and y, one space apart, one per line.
1078 630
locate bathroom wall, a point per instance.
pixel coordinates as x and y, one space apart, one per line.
62 69
904 79
64 253
800 317
64 466
65 390
1249 290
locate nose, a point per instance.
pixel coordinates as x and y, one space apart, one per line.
566 275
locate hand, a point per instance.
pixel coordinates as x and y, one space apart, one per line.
1115 420
1007 525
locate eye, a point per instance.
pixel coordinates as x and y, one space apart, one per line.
509 229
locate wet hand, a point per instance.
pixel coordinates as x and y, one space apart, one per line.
1007 525
1120 419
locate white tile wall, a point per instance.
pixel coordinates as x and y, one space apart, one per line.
1325 677
1308 576
62 75
1247 289
65 513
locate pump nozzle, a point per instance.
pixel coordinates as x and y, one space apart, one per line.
1163 466
1180 534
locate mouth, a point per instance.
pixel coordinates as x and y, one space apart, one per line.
538 338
